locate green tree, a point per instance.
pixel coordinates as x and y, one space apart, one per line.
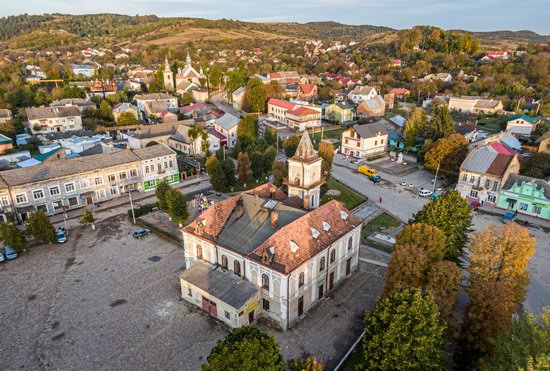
11 236
415 126
279 172
216 172
326 152
246 348
243 167
187 98
257 164
452 214
247 133
126 118
291 144
234 81
87 218
196 132
525 347
441 125
39 226
425 237
215 76
229 171
105 110
488 315
404 332
255 96
536 166
269 156
447 153
161 193
177 206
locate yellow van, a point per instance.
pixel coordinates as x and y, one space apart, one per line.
363 169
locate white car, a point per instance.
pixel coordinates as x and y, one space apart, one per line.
425 192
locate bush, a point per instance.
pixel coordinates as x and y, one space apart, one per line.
142 210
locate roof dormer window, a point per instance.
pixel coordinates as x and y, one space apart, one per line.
343 215
293 247
314 233
326 226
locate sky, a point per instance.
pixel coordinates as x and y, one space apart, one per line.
472 15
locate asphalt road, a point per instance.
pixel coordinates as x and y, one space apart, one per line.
404 202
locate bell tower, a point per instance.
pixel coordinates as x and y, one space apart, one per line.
168 76
304 174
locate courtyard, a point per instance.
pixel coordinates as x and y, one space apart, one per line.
105 300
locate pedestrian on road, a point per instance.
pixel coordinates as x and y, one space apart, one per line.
380 199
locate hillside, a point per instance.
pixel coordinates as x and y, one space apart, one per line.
52 30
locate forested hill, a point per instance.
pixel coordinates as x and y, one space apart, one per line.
61 29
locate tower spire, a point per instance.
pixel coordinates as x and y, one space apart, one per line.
188 60
305 150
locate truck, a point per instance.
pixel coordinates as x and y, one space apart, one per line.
370 173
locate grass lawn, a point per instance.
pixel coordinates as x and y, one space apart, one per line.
327 134
383 220
492 124
347 196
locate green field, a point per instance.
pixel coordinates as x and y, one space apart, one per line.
347 196
382 221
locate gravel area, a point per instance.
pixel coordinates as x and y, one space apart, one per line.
105 301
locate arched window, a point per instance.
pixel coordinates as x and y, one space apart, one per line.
224 262
237 268
322 264
350 243
265 282
199 252
333 255
301 279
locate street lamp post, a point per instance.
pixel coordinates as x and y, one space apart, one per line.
132 204
435 178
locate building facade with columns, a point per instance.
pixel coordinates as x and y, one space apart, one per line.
262 253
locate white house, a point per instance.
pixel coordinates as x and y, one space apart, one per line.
82 70
521 125
361 93
297 116
227 126
362 141
54 119
142 100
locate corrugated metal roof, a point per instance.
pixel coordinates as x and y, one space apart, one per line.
479 160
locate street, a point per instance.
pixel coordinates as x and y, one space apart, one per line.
403 202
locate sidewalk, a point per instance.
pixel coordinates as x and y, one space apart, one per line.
520 218
189 186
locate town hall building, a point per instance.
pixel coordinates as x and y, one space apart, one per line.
262 253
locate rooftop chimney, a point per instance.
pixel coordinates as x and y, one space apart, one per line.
274 219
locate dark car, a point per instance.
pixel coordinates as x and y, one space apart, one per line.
474 204
140 232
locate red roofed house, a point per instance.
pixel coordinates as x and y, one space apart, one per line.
400 92
307 92
294 115
259 254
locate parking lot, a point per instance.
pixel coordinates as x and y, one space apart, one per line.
104 300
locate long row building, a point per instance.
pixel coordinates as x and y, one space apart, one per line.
62 184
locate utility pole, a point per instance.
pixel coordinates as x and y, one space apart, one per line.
132 205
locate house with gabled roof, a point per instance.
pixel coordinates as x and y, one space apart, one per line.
262 253
363 141
526 195
485 170
522 125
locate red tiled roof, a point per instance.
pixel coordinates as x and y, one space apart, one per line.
216 134
281 103
216 216
299 232
265 191
400 91
303 111
274 75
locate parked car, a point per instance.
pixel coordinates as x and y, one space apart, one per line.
140 232
61 235
2 257
9 253
474 204
508 217
425 192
